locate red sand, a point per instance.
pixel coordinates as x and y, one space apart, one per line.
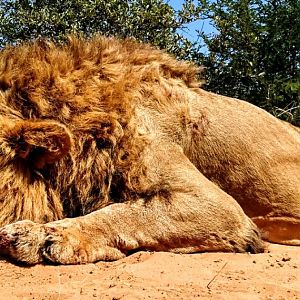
144 275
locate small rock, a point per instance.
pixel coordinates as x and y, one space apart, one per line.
286 258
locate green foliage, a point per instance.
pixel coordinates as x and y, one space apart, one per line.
255 53
152 21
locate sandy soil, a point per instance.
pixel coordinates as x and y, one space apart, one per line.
144 275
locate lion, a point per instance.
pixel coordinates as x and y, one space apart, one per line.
109 146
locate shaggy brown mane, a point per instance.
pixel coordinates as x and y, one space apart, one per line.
44 78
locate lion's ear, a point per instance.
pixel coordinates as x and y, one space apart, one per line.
39 142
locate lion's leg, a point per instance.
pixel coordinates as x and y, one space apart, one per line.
192 214
179 224
280 222
189 220
281 230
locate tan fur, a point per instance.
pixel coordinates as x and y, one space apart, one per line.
110 146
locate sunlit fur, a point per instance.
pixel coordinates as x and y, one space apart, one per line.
89 123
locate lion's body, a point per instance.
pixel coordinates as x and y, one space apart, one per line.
121 134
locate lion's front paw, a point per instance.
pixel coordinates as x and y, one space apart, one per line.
62 242
22 241
69 245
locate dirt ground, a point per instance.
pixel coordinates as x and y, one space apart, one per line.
145 275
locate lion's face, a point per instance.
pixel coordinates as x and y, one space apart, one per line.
52 169
27 148
59 130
